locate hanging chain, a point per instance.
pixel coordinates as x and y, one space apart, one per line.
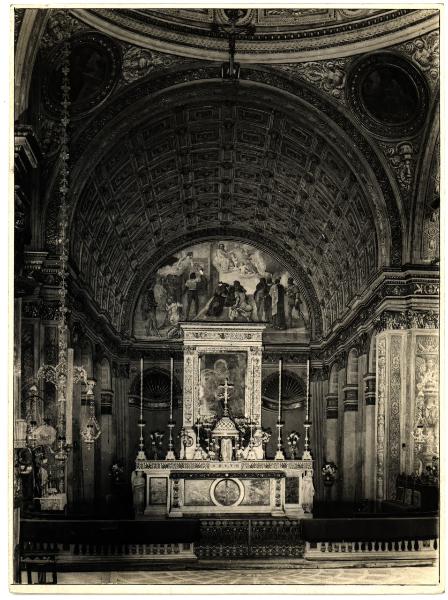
63 239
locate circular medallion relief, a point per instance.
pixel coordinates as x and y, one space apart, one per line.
388 94
95 63
227 492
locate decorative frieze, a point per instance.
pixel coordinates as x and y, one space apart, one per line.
394 413
381 421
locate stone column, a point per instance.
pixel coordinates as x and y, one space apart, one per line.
369 436
332 428
107 439
121 415
349 448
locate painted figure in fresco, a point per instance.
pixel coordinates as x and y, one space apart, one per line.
241 309
277 293
192 294
215 307
268 299
261 292
222 260
292 301
149 306
174 315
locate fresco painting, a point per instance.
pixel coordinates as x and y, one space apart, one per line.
221 281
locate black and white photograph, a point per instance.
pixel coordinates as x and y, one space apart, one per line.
224 308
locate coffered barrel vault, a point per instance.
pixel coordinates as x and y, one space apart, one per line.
245 159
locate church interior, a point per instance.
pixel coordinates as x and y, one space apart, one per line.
226 295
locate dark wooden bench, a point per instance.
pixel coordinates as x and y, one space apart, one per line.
52 546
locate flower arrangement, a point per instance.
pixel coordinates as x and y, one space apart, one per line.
293 442
156 438
116 473
329 471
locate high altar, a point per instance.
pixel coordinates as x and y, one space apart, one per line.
220 468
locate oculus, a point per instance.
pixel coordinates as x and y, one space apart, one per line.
388 95
95 65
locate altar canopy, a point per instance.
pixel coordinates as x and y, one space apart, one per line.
220 465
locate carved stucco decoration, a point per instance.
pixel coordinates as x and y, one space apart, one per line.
380 419
328 76
139 62
61 25
402 157
426 392
424 52
394 414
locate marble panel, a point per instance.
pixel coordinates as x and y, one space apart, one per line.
256 492
157 491
197 492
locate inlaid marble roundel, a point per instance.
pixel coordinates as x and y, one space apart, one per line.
227 492
388 94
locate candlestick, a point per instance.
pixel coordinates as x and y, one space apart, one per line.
171 387
306 444
279 454
141 424
170 453
280 390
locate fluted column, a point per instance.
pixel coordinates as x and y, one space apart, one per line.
369 436
349 459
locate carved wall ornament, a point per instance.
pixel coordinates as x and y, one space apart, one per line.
410 319
424 52
380 422
328 76
60 26
138 62
394 403
402 157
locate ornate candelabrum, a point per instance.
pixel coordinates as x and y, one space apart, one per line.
198 453
170 454
279 454
186 441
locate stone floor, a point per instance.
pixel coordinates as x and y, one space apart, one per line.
428 575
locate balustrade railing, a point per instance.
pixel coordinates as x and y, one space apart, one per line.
393 548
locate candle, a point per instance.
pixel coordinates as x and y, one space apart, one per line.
199 384
171 387
279 390
141 388
307 389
